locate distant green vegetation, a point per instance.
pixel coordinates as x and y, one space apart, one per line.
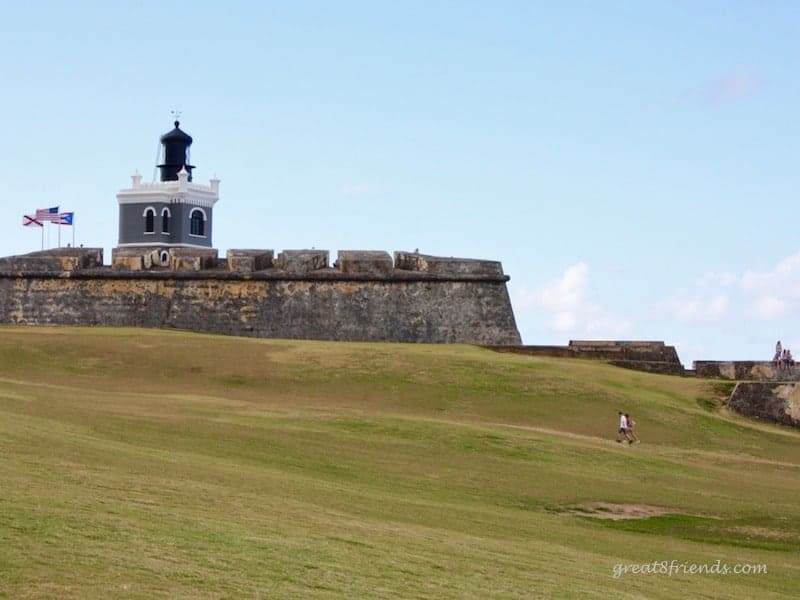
141 464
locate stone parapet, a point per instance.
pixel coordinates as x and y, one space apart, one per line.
291 264
745 370
192 259
553 351
221 272
132 259
650 366
302 261
648 351
55 260
653 357
176 258
439 265
247 261
364 261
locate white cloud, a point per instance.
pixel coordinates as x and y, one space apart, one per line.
733 85
785 275
774 294
563 322
698 308
767 295
766 307
566 293
714 279
362 188
569 309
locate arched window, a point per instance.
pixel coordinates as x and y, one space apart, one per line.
149 219
197 223
165 220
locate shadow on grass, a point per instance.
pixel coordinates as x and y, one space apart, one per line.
746 533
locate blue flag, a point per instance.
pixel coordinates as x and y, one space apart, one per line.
65 218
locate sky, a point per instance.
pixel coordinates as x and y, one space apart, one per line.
633 164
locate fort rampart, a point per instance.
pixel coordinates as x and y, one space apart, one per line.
652 356
745 370
774 401
763 390
365 296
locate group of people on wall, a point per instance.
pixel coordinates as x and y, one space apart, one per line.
783 358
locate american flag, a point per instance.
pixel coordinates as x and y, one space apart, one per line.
48 214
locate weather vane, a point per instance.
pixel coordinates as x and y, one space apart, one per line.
176 114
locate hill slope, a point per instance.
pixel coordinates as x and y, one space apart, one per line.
145 464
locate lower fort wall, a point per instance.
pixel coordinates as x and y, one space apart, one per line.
745 370
326 304
769 401
651 356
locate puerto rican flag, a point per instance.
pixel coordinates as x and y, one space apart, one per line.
65 218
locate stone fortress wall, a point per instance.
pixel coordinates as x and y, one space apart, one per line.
364 296
776 402
745 370
762 390
651 356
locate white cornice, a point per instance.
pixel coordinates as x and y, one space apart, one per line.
173 185
199 196
160 245
170 192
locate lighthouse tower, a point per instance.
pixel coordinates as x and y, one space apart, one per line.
171 213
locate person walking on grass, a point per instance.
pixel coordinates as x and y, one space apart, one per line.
622 432
631 429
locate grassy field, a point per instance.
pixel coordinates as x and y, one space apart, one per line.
142 464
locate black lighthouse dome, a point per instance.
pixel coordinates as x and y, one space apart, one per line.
176 154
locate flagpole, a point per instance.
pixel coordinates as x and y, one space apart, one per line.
42 226
59 233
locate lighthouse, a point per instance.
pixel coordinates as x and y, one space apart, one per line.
174 212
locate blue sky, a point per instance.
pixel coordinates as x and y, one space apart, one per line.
632 164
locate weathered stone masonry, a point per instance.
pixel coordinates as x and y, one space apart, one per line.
465 302
651 356
770 401
764 391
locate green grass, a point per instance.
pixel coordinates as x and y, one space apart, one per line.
141 464
751 532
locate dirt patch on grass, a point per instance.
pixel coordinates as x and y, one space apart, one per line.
618 512
762 532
